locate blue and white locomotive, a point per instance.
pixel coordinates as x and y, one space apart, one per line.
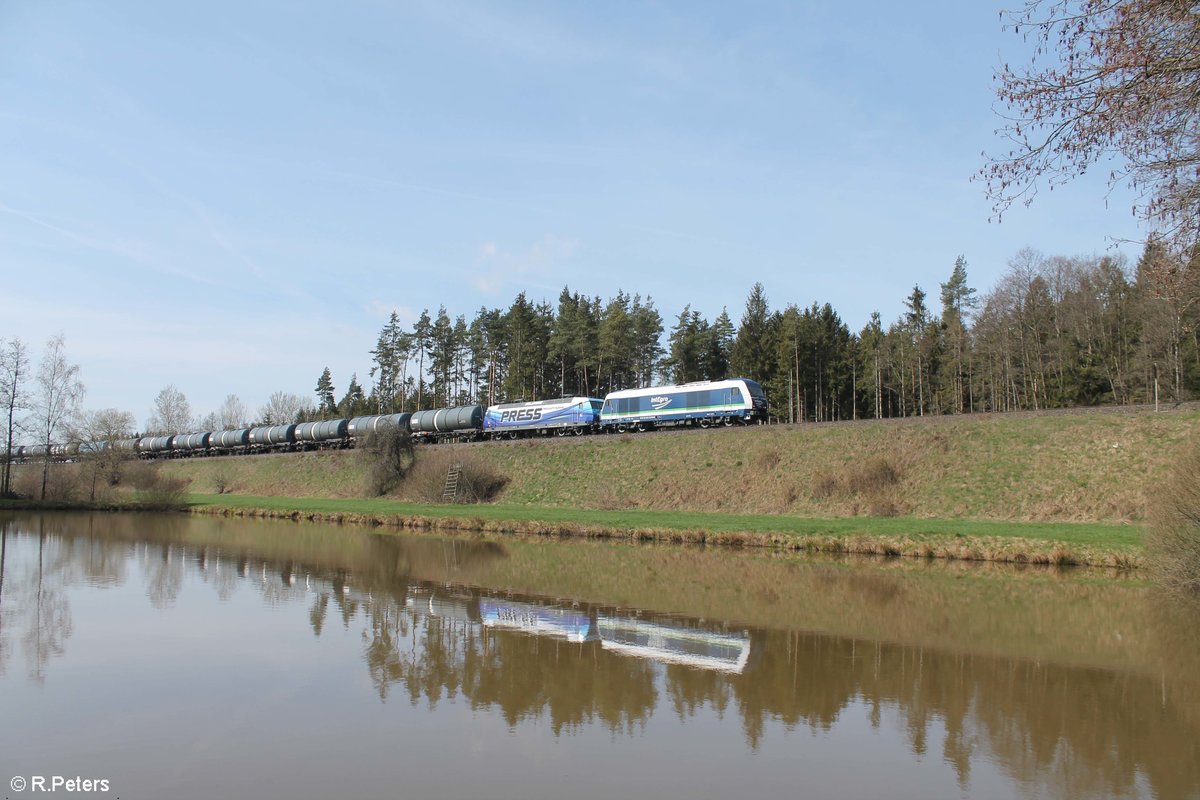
564 416
703 403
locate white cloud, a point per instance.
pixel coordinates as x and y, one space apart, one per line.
496 268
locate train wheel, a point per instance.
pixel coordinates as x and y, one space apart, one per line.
578 431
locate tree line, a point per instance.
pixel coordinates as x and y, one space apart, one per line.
1054 332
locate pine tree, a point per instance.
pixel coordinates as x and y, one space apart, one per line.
422 336
462 363
326 404
521 334
688 347
754 348
489 352
872 339
354 403
564 345
958 300
646 339
916 319
391 355
716 365
442 351
615 346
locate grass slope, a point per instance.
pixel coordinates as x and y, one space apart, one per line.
1058 467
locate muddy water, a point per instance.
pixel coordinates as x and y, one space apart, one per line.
171 656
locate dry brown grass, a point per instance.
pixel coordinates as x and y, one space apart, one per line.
870 486
765 460
425 481
877 475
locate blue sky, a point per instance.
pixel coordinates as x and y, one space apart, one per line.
228 197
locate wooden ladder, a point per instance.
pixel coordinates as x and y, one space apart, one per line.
453 476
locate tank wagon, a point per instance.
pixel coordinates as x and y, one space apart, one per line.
462 424
329 430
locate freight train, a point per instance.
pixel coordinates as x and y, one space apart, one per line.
702 404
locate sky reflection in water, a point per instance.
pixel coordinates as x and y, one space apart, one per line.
195 657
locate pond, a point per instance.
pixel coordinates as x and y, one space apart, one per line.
186 656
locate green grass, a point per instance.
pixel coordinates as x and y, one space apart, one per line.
1098 535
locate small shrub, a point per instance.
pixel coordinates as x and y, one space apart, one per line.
1173 536
388 456
480 483
167 494
875 475
221 481
824 486
766 460
157 491
140 475
882 507
426 480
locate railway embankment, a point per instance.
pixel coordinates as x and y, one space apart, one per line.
1100 466
1051 487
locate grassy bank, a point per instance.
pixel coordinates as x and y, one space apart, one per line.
1098 544
1086 467
1050 488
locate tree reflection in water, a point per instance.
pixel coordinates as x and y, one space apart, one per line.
1073 730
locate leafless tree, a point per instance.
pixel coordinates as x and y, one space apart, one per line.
1168 304
58 397
171 413
99 432
1108 78
232 413
282 408
14 374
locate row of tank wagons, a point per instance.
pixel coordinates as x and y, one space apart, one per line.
426 426
701 404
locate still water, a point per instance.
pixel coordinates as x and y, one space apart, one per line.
182 657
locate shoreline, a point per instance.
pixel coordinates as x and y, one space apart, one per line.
1057 544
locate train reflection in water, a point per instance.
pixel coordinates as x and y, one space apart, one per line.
665 640
558 623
